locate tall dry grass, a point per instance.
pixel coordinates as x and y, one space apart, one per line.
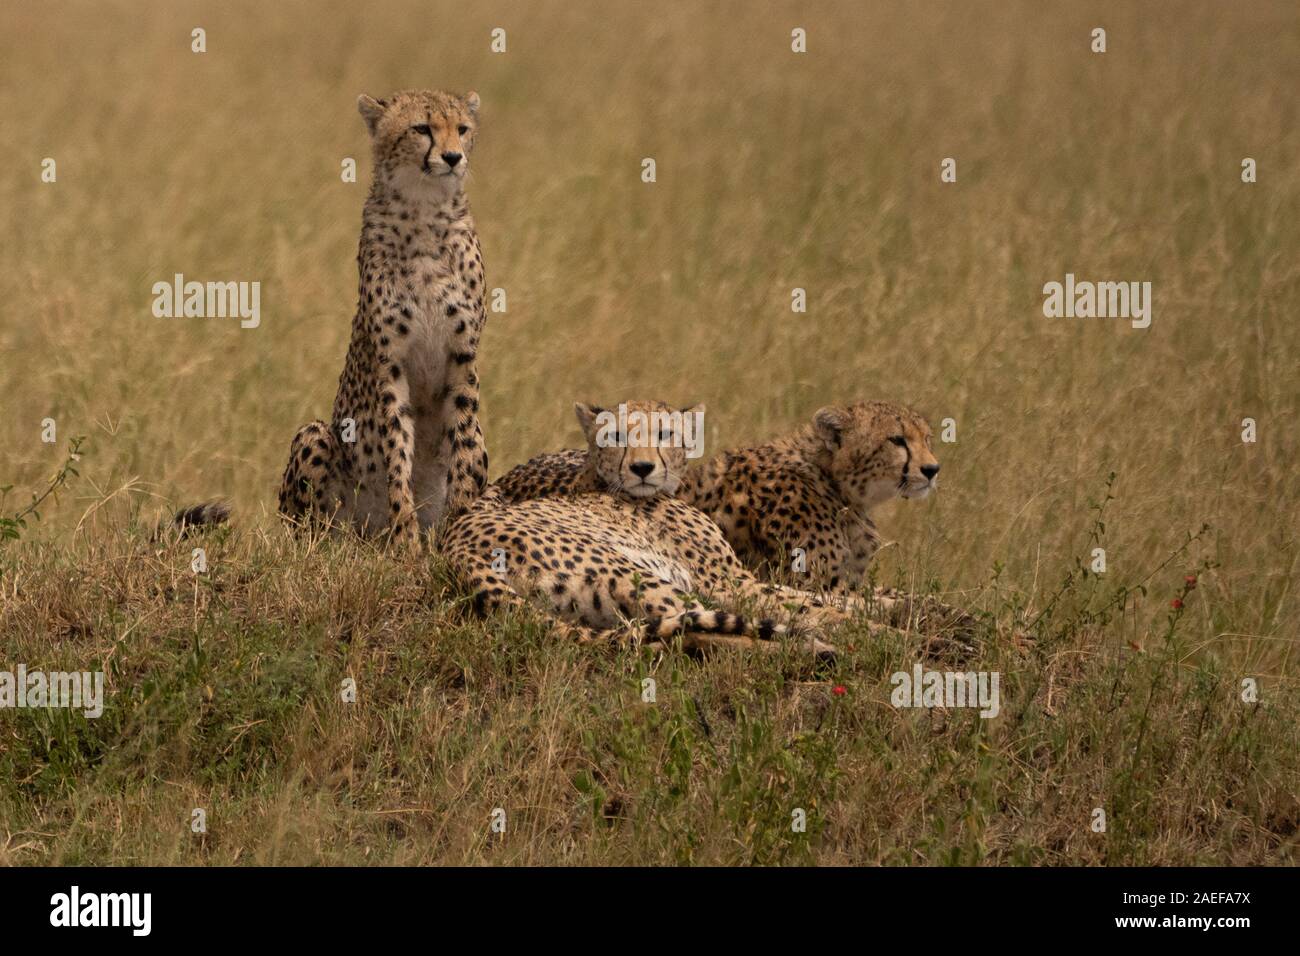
775 171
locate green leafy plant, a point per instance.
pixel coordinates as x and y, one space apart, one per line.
12 524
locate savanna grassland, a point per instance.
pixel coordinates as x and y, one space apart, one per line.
775 171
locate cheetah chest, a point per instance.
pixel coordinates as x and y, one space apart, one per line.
435 339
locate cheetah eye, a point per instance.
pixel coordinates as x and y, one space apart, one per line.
462 129
423 130
898 440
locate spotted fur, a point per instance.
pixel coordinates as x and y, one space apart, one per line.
404 449
603 559
809 491
636 470
813 490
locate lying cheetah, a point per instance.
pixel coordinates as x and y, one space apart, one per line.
404 449
811 490
807 497
804 497
603 559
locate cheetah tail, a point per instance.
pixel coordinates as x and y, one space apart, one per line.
712 622
206 515
487 600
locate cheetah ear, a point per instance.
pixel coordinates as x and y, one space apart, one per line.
829 423
471 102
371 110
586 416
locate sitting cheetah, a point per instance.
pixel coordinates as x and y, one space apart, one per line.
404 449
602 559
808 492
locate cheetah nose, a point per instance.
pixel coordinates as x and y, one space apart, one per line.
642 468
930 470
451 159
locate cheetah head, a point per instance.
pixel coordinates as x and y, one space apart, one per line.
876 450
640 449
422 138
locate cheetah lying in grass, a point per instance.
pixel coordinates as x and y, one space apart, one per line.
804 497
813 490
627 553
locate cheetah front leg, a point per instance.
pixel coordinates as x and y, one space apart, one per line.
812 607
897 608
465 452
948 631
397 435
834 579
945 623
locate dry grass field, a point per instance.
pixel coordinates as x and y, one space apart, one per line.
775 171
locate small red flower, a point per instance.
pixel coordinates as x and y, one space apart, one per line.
838 690
1176 604
1190 581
